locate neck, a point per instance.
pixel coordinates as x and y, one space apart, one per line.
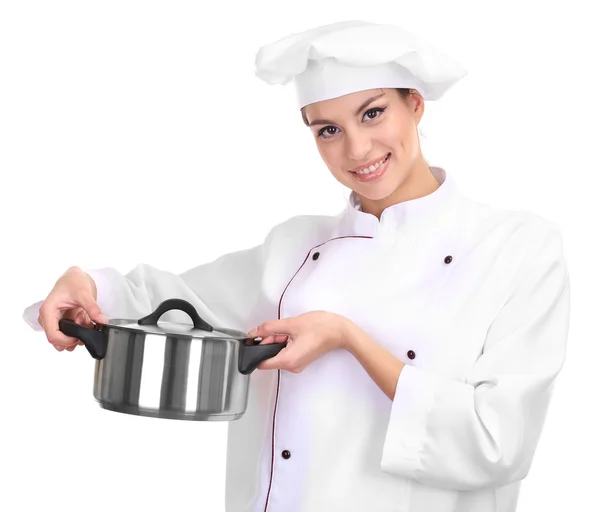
419 182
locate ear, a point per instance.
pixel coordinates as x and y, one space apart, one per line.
417 105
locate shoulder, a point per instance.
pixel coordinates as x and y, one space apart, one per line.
304 225
302 231
513 225
519 239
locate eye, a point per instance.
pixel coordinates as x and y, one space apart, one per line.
330 130
322 132
376 110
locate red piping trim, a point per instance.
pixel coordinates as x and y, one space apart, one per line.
279 371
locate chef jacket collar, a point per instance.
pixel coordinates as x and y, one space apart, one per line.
421 214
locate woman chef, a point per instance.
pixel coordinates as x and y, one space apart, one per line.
425 329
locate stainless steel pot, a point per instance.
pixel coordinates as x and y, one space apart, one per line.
171 370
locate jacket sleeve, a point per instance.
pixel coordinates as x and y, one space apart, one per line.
226 292
483 432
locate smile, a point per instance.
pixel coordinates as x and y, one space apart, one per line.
374 171
373 167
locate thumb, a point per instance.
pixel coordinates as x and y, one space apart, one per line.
273 338
92 308
266 328
273 331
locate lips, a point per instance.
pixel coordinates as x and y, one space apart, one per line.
369 164
375 175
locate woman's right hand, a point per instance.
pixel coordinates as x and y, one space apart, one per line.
73 296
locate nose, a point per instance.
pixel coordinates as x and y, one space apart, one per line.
358 145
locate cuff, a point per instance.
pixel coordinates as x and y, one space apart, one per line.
411 408
30 316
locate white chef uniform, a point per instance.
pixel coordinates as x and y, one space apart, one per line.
473 299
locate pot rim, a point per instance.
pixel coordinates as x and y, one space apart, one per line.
175 329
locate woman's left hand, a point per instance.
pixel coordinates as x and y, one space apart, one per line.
308 336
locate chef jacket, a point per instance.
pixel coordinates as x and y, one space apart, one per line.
473 299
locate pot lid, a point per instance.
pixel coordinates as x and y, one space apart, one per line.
175 328
152 324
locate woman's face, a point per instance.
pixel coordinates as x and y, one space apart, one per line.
361 129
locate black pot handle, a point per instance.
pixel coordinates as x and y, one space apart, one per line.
182 305
95 341
252 355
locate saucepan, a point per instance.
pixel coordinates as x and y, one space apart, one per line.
171 370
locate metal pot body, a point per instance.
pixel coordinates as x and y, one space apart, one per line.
171 370
174 377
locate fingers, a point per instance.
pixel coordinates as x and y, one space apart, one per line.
70 298
82 318
49 316
274 338
91 307
48 319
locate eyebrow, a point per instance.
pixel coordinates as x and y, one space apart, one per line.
358 110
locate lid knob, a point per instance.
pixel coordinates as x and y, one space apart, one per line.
180 304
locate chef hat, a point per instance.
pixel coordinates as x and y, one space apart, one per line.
349 56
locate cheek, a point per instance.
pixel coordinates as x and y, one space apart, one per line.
332 158
401 139
322 153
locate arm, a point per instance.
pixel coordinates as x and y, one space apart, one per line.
483 431
226 292
382 366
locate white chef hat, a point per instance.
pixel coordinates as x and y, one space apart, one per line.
349 56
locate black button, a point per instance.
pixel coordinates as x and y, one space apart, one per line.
315 256
411 354
286 454
447 259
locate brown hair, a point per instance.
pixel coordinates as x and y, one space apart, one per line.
404 94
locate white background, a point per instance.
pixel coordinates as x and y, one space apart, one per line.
137 132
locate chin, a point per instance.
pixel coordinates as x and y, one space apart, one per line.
375 195
385 189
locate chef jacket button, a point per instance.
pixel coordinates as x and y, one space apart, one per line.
447 259
315 256
411 354
286 454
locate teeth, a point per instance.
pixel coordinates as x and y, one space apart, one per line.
373 167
